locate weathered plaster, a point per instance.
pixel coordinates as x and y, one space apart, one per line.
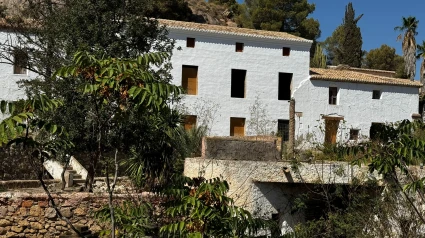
355 104
215 57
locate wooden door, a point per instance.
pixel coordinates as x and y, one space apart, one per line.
331 130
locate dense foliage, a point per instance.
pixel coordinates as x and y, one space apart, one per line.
345 44
385 58
272 15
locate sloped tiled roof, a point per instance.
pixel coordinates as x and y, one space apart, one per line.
343 75
231 30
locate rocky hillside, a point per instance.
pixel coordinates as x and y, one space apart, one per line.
211 13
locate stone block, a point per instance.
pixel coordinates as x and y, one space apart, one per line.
66 212
36 211
3 211
4 223
11 208
80 211
17 229
2 231
22 211
43 204
42 231
36 225
11 234
27 203
23 223
50 213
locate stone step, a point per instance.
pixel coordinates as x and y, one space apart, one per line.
69 168
77 176
71 171
80 180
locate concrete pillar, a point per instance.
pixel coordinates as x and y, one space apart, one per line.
69 179
291 141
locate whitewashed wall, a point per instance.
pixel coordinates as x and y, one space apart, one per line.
9 89
355 104
215 56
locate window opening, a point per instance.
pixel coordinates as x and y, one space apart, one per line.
20 62
354 134
375 130
284 86
286 51
189 122
190 42
237 126
283 129
190 79
239 47
376 94
238 83
333 93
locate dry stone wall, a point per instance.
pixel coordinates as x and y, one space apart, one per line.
29 215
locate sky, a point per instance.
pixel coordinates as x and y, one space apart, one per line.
378 22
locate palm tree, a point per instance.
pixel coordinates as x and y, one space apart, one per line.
409 26
421 54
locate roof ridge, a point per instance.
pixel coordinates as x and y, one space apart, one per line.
347 75
231 30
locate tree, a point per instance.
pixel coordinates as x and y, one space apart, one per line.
273 15
385 58
319 58
200 208
120 29
421 54
408 27
350 52
118 87
332 44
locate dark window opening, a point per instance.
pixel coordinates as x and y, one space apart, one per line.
238 83
354 134
189 122
375 130
237 126
20 62
376 94
190 42
285 82
283 129
239 47
333 93
190 79
286 51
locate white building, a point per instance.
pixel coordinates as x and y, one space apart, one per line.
226 69
11 72
230 67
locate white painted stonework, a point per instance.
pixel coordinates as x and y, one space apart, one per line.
215 56
9 89
354 104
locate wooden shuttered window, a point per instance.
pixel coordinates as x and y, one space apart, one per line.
237 126
190 79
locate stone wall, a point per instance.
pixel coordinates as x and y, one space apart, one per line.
243 148
29 215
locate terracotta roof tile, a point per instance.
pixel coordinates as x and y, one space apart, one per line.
231 30
343 75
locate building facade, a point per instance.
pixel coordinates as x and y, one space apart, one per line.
229 72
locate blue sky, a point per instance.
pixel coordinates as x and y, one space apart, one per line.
378 22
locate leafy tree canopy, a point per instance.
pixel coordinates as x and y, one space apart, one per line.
385 58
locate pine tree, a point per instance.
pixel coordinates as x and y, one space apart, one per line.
350 52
